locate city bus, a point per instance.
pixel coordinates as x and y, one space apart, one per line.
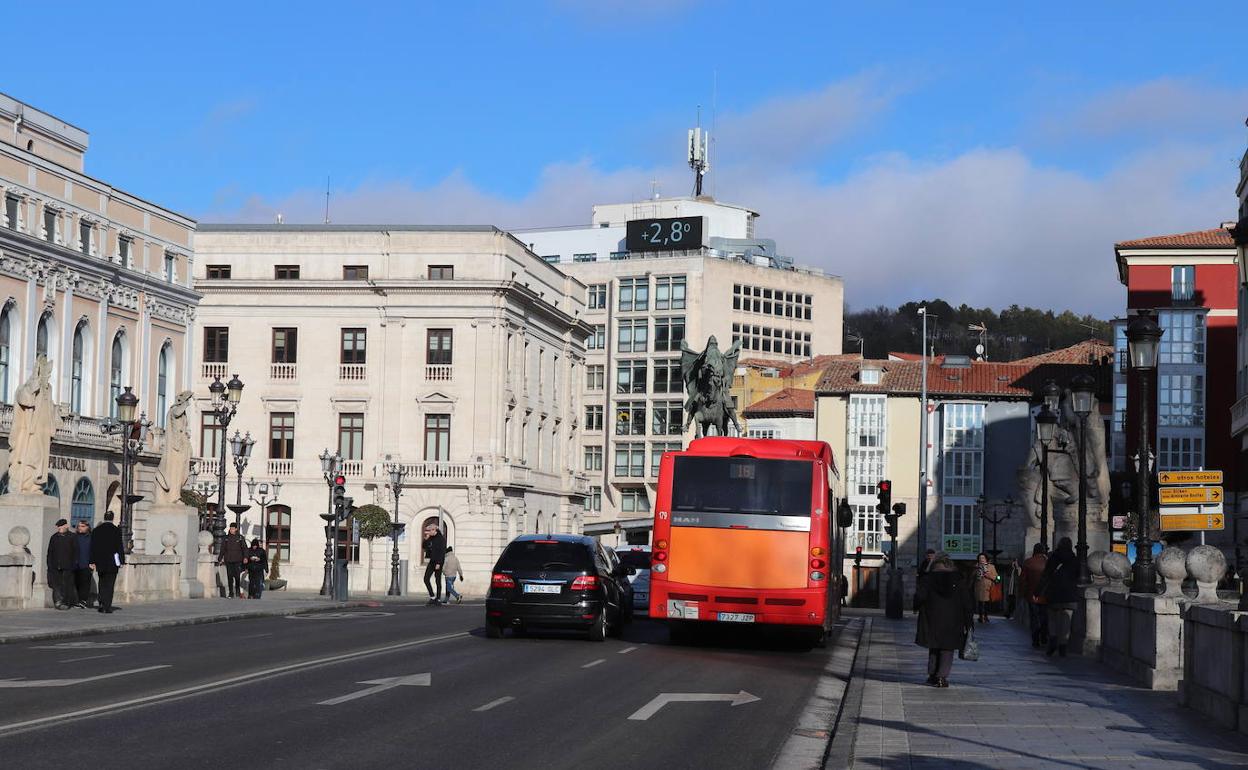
745 531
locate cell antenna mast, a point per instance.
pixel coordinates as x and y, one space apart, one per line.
699 154
326 200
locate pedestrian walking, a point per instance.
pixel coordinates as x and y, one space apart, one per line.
61 552
450 571
1031 584
925 566
1061 588
985 578
257 566
946 614
233 555
435 554
843 582
82 564
107 555
1009 584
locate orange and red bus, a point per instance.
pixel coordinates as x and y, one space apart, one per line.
745 532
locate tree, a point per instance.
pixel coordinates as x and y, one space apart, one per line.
374 522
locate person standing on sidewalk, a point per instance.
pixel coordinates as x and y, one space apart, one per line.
257 566
1009 586
946 615
985 578
233 555
1061 588
82 564
61 553
107 555
450 571
435 555
1031 583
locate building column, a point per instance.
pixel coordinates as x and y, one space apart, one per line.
65 354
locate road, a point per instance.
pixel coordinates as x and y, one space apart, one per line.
349 689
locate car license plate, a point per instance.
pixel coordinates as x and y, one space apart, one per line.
736 617
541 588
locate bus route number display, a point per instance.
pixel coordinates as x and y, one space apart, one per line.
672 234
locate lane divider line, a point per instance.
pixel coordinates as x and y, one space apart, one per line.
495 703
89 657
625 651
593 663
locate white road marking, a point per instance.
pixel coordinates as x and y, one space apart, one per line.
593 663
340 615
87 645
381 685
89 657
662 699
212 687
254 636
494 703
12 684
626 650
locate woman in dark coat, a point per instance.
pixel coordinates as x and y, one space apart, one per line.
946 613
1061 588
257 564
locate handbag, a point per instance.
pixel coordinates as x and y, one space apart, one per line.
970 648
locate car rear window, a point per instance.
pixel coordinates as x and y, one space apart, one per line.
638 559
538 555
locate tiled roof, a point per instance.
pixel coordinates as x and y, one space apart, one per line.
1216 238
817 364
763 363
981 378
795 402
1088 351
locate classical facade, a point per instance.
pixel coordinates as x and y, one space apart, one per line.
98 280
453 351
657 273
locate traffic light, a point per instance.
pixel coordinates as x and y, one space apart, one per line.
884 493
890 524
339 494
858 556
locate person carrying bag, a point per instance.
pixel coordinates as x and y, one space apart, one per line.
946 616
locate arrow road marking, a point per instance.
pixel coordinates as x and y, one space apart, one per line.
381 685
494 703
662 699
10 684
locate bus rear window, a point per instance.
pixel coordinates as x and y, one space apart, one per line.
742 485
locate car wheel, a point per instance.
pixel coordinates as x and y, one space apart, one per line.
598 631
493 630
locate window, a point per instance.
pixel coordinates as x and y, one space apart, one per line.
865 444
1183 340
282 436
6 352
632 336
593 417
351 436
550 259
277 533
211 434
218 272
441 272
598 339
84 236
52 487
869 376
594 501
438 346
75 373
961 528
42 332
587 257
11 205
285 345
593 458
1180 453
634 294
354 345
1120 407
123 249
618 255
667 378
1181 400
762 433
49 225
355 272
769 340
438 437
162 387
963 443
630 460
171 266
286 272
669 333
866 532
82 504
668 418
595 377
1182 282
630 418
216 344
630 377
115 374
634 500
669 293
656 454
597 296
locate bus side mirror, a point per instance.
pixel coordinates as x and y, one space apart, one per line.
844 515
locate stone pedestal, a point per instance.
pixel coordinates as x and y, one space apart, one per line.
1088 641
38 514
17 569
183 522
1142 636
148 578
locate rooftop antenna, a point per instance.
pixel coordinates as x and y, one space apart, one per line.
981 350
699 156
654 189
714 112
327 199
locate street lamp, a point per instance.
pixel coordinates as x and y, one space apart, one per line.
1046 426
1051 395
133 432
397 473
1007 505
1143 343
1082 393
240 449
331 466
263 501
225 398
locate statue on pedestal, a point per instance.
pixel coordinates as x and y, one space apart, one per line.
35 420
175 455
1064 474
708 376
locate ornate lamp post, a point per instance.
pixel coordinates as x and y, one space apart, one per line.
331 466
397 474
1143 344
225 398
1046 426
1082 392
240 449
1007 505
263 501
133 432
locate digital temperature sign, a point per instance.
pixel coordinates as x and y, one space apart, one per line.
674 234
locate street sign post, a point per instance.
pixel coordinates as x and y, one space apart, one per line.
1190 495
1189 477
1186 522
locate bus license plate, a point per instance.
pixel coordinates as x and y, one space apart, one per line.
736 617
539 588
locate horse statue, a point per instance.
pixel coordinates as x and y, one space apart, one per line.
708 376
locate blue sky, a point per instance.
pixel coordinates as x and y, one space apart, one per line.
978 152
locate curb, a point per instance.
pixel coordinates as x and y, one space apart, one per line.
841 749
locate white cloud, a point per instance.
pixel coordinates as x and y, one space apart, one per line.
1158 109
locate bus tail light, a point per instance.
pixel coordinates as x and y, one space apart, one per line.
585 583
499 580
816 551
816 563
660 556
660 568
816 575
661 545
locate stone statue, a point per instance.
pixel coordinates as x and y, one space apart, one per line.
1064 473
35 419
175 455
708 376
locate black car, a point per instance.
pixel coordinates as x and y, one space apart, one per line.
558 581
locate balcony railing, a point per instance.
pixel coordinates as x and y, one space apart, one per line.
283 371
207 466
580 485
444 471
210 369
281 467
352 372
1239 416
353 467
437 372
517 475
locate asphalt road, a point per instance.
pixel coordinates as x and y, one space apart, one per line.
320 691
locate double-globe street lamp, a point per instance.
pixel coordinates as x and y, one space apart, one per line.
331 467
263 501
397 473
225 398
1143 344
240 449
1082 394
127 425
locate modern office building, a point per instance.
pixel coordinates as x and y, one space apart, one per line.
658 273
452 351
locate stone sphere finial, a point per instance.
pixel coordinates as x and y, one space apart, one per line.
1172 564
205 540
19 538
1207 565
1096 564
1116 568
170 541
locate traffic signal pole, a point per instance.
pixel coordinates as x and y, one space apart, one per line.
893 597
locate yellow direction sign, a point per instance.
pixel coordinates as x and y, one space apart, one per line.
1192 521
1120 548
1190 495
1189 477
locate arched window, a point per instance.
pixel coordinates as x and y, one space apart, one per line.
42 333
277 532
52 487
540 529
82 506
4 484
6 355
162 386
75 374
115 373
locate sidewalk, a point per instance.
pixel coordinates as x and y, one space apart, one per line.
1015 708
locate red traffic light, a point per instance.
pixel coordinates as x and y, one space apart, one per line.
858 549
340 479
884 486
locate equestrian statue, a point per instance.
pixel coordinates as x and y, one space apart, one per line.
708 376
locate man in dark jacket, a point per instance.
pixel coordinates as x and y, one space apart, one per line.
107 555
233 555
1061 588
435 554
1031 586
61 566
945 615
82 564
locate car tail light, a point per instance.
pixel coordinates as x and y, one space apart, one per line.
499 580
816 576
660 556
816 563
816 551
585 583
